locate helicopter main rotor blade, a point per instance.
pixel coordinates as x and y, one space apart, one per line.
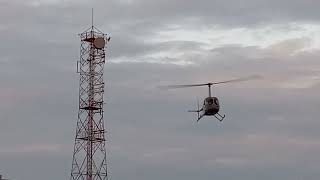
239 79
183 86
209 84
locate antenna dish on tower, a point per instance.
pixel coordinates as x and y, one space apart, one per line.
99 42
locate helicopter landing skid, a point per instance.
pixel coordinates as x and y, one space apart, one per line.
219 117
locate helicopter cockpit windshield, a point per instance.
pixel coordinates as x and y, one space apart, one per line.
211 101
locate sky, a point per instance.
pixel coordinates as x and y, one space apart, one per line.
271 125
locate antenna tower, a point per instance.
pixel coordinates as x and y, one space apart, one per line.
90 156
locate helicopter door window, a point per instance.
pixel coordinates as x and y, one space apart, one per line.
216 101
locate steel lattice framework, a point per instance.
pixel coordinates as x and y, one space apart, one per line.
89 157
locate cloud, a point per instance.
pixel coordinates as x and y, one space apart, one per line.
30 148
271 125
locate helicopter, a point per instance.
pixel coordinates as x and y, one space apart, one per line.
211 105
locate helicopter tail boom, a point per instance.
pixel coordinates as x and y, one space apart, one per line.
197 111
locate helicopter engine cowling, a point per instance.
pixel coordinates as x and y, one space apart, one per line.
211 106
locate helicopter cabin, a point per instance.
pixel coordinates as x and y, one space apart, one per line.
211 105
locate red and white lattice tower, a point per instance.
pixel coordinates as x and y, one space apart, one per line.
90 156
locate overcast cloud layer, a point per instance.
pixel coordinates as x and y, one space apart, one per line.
271 126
